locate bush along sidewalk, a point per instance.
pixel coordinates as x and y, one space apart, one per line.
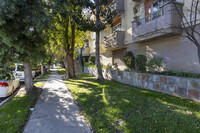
140 64
114 107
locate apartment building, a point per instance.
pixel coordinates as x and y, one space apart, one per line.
151 28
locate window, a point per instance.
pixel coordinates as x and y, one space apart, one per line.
157 8
158 5
153 9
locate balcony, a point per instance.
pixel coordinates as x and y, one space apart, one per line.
114 41
118 6
163 23
136 0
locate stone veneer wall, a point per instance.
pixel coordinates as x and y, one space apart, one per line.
179 86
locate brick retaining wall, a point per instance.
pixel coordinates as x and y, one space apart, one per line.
178 86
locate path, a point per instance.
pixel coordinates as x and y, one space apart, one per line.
56 111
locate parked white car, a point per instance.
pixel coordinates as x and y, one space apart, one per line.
7 87
19 70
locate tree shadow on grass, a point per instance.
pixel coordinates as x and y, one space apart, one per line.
114 107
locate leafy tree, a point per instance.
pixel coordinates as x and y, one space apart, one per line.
64 36
103 17
7 58
22 26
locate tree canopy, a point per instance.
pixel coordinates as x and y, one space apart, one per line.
22 26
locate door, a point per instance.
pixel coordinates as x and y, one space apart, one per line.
148 10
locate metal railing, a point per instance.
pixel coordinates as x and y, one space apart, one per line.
150 17
115 6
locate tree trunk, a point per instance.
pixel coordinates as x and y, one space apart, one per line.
66 67
99 70
70 65
28 77
70 53
81 60
198 53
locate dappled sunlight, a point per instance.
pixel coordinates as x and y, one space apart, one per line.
38 84
56 104
184 110
19 96
15 113
126 101
143 91
104 96
114 107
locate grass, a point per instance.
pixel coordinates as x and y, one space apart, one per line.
14 115
61 71
114 107
39 84
43 78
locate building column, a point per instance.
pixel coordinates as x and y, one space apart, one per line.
123 23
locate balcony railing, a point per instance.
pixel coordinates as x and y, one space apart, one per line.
136 0
118 6
150 17
114 41
164 23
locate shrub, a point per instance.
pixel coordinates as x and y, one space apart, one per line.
89 64
103 66
126 69
141 61
115 66
155 64
84 61
92 59
109 66
129 60
178 74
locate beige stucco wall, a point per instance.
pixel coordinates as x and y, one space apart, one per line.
92 37
118 58
178 53
128 16
106 58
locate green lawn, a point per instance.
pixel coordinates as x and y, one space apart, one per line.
15 113
61 71
114 107
43 78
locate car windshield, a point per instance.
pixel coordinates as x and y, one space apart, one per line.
20 68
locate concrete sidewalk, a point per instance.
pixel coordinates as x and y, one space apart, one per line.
56 111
